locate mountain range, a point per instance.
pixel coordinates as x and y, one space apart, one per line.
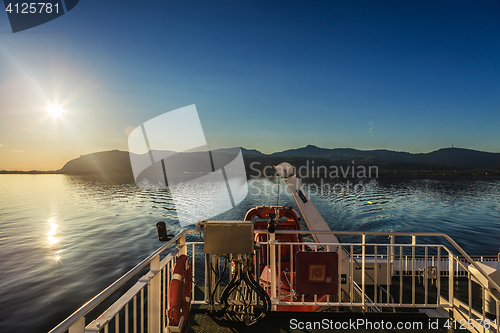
446 159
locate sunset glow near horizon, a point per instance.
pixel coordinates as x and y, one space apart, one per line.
270 76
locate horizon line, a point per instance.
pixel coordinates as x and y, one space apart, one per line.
251 149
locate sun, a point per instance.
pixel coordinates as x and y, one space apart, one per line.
54 110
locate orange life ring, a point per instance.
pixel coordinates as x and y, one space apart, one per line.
180 294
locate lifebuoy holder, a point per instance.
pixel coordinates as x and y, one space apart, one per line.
180 296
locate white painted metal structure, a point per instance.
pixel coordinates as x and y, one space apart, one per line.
134 312
310 214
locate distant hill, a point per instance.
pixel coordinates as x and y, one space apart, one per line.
450 157
251 152
440 160
105 161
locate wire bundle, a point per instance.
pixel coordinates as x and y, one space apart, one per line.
243 295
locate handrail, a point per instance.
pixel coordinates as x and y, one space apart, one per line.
385 233
371 304
87 307
459 262
388 295
361 244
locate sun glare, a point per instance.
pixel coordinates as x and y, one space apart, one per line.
52 232
54 110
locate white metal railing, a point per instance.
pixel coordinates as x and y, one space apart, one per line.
445 269
421 263
143 307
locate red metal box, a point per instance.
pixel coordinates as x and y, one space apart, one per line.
317 273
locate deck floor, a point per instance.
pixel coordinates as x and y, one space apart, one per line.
282 322
201 321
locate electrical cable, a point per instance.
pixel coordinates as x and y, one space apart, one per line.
212 293
243 312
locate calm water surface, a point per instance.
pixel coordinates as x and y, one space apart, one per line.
65 238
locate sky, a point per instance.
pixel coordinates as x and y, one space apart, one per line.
411 76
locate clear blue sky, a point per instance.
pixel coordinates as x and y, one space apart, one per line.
400 75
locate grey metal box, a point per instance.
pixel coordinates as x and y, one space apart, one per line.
235 237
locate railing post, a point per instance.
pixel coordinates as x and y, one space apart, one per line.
483 303
393 251
181 244
208 285
375 276
498 315
272 258
351 275
426 274
450 278
339 269
413 268
154 301
469 277
363 268
78 326
400 275
438 282
389 277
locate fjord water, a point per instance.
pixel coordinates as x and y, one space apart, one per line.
65 238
